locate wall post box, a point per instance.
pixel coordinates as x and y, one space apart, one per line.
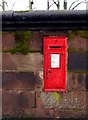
55 63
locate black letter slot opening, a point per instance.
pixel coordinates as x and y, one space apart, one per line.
55 46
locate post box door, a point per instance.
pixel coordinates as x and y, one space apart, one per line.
54 63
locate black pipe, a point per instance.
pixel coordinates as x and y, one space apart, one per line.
45 20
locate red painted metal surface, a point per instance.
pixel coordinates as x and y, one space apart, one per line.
55 63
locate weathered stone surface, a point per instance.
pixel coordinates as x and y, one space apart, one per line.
18 80
74 100
18 99
70 113
39 101
12 113
87 103
0 103
8 40
35 42
27 113
76 81
79 44
87 82
55 33
77 61
39 113
31 62
0 42
0 98
0 112
0 61
39 79
64 100
44 113
8 62
0 79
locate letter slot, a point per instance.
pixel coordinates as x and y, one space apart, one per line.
55 46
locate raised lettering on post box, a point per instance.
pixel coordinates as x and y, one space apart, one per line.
55 63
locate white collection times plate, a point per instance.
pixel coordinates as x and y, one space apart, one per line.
55 60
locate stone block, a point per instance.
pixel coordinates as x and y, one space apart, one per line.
76 81
35 42
18 80
38 113
77 61
39 101
8 62
0 61
87 82
75 113
0 103
12 113
31 62
78 43
73 100
0 42
18 99
8 40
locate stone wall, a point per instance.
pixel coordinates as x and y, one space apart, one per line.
23 84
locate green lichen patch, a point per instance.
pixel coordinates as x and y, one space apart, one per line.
21 42
83 33
56 96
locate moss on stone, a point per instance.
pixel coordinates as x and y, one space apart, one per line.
56 96
80 50
71 35
83 33
21 42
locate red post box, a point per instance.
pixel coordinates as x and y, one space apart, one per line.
55 63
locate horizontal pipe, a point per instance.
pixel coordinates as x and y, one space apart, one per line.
45 20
